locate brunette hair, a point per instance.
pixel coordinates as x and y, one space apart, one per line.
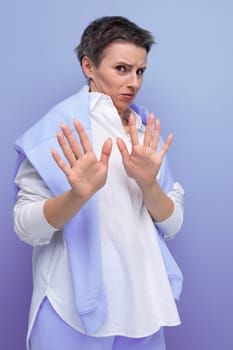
103 31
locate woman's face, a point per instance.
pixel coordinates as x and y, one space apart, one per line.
119 74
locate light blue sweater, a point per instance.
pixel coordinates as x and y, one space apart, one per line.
82 232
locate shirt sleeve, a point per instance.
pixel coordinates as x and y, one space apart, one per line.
171 226
30 223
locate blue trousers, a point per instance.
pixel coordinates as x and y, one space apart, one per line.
50 332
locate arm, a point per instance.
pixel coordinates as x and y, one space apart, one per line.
37 215
159 205
29 222
143 165
171 226
84 173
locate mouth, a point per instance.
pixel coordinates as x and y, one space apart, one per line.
128 97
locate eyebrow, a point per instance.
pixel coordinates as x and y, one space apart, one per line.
129 65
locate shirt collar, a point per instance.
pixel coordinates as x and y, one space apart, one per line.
95 97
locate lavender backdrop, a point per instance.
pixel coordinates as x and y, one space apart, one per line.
189 85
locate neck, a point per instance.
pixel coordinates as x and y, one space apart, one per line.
125 119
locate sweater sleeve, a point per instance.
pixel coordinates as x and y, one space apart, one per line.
30 223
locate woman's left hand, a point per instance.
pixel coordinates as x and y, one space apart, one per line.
144 161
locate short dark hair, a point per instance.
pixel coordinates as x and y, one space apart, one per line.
104 30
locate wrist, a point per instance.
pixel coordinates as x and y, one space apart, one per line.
76 198
158 204
148 188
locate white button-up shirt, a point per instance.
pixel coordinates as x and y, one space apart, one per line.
139 296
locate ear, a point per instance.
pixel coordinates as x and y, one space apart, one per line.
87 66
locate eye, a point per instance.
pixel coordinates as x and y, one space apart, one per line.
121 69
140 71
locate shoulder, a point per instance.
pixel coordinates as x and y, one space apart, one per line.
140 110
75 106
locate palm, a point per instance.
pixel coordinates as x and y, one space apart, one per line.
144 161
85 173
142 164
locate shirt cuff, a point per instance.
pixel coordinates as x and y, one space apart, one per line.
171 226
31 224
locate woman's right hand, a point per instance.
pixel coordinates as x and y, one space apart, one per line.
85 173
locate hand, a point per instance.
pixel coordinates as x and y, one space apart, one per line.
144 161
85 173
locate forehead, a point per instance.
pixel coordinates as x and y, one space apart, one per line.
129 53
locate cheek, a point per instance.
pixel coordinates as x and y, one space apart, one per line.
140 81
108 84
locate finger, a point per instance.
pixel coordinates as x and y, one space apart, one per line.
61 164
106 151
155 138
68 153
166 145
72 141
132 130
86 144
148 131
123 149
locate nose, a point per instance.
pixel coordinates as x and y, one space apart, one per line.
134 80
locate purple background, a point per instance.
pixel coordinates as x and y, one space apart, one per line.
189 86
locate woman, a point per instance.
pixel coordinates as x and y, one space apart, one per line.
98 212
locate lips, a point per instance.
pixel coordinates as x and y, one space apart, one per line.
128 97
